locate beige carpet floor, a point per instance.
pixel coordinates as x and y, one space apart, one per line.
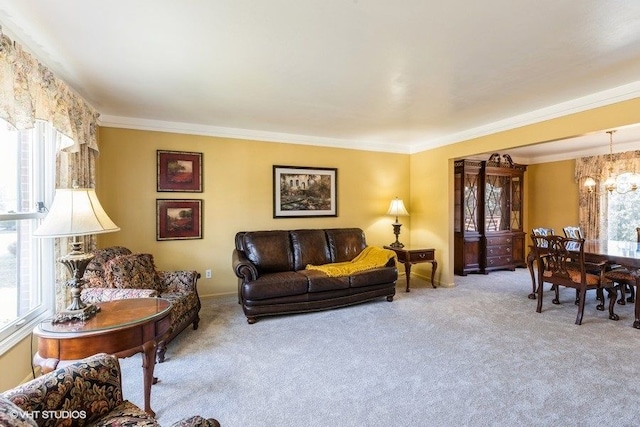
474 355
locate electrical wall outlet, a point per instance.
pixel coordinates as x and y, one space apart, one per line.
207 274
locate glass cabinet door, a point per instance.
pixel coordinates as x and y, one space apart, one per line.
516 203
471 201
497 203
457 201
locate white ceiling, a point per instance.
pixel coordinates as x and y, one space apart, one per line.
399 76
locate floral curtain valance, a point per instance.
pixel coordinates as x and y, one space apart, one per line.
29 91
597 167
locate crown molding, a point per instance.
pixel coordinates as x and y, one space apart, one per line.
589 102
576 154
599 99
236 133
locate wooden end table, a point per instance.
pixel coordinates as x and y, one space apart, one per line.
409 256
122 328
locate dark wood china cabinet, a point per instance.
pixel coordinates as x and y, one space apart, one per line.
488 224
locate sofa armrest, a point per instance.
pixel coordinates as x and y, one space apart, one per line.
89 389
243 268
97 295
196 421
179 281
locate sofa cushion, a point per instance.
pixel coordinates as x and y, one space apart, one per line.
94 272
374 277
13 415
309 247
98 295
345 243
270 251
135 271
126 414
182 305
275 285
196 421
320 282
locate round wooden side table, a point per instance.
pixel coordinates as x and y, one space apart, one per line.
121 327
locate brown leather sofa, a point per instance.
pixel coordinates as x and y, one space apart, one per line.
272 279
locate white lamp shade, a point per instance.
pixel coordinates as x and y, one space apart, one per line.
396 208
75 212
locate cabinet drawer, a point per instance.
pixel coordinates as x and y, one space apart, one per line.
498 250
499 240
163 326
499 261
421 256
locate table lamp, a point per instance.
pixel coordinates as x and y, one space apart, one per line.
396 208
75 212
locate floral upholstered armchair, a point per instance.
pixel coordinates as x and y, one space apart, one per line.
117 273
84 393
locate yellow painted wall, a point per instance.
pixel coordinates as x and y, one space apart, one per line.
15 364
238 195
432 175
553 196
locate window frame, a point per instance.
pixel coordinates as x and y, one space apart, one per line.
623 203
42 164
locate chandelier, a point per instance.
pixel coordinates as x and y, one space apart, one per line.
623 183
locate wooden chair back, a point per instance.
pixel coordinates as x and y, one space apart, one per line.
564 260
573 232
541 231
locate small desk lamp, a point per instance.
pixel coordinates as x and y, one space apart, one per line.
75 212
396 208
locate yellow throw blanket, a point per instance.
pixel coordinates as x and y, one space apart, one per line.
371 257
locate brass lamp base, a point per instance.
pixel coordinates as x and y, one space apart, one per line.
80 315
76 262
396 231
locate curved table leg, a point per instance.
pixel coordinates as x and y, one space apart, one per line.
636 323
530 258
148 365
434 267
613 294
407 273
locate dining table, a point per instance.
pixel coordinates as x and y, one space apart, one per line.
624 253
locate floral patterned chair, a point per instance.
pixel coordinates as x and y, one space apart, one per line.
117 273
84 393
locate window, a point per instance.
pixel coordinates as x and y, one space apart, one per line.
623 215
26 263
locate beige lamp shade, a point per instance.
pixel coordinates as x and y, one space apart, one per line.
75 212
396 208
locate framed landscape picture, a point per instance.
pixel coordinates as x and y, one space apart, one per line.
178 219
179 171
300 191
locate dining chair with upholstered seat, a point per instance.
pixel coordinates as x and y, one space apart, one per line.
624 279
625 282
593 266
561 262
